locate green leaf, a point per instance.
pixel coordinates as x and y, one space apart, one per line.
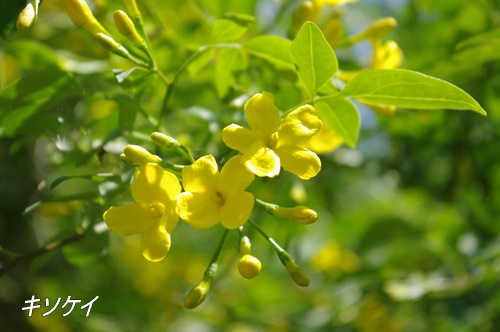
121 75
9 11
226 30
314 57
274 49
342 117
240 19
229 60
32 54
128 111
200 62
31 94
405 88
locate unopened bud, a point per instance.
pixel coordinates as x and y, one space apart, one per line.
138 154
131 7
298 275
198 294
300 214
127 161
80 13
127 28
333 31
108 42
249 266
332 3
28 16
161 139
377 29
304 12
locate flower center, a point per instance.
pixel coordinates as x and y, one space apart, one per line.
157 209
219 198
272 141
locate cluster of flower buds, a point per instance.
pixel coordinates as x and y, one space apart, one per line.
81 15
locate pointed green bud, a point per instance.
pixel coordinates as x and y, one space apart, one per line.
161 139
131 7
300 214
298 275
127 28
108 42
138 154
198 294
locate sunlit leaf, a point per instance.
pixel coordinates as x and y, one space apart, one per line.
226 30
405 88
342 117
274 49
228 61
314 57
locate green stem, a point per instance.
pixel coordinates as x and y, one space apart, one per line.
7 253
280 251
46 249
212 267
194 56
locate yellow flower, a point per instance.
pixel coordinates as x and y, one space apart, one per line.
386 55
211 197
272 143
324 141
154 212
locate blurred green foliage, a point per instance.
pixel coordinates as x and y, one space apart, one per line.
407 238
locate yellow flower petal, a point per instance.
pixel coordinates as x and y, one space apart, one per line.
198 209
170 217
171 185
239 138
146 186
155 243
236 210
324 141
261 161
262 116
128 219
201 176
301 162
299 126
234 177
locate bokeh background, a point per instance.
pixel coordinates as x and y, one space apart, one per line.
407 238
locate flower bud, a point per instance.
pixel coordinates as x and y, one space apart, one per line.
198 294
305 11
300 214
131 7
298 275
249 266
108 42
381 28
138 154
126 27
80 13
333 31
127 161
28 16
161 139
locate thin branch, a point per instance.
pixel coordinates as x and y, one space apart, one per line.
16 259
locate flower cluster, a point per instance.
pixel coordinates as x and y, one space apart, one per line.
209 196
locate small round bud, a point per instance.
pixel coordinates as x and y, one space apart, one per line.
138 154
249 266
161 139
